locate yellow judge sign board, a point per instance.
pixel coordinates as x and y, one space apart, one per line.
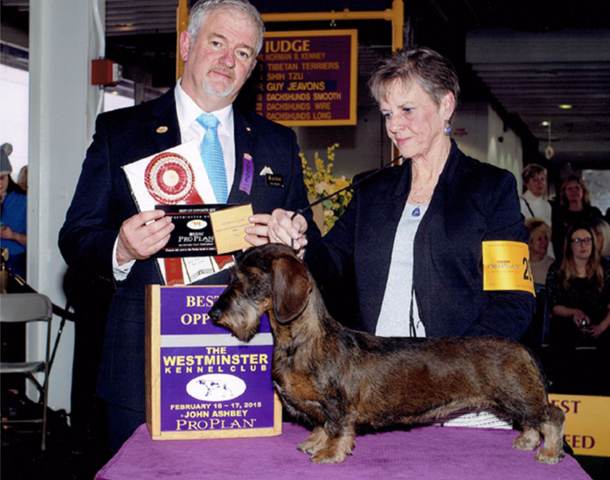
587 423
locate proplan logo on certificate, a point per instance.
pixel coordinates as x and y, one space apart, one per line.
204 230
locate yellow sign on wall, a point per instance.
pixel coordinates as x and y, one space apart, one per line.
587 423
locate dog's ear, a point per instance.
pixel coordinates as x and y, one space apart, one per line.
290 287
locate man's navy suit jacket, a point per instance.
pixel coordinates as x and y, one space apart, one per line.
102 202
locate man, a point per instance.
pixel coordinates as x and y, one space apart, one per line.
104 232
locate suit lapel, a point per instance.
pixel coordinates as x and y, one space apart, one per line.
244 135
164 127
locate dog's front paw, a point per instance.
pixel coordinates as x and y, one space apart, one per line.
325 456
308 447
314 442
335 450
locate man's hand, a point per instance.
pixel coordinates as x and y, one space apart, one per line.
278 228
143 235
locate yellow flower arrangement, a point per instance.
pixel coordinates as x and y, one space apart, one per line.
321 183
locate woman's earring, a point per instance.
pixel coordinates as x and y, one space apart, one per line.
447 129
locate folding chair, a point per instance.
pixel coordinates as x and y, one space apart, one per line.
25 308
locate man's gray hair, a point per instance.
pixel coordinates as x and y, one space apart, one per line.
203 8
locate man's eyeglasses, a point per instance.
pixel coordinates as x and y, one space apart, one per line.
585 241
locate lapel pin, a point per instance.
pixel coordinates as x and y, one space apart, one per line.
162 129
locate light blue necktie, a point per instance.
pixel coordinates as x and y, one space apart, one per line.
213 159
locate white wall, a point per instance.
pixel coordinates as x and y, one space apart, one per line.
61 116
14 86
480 133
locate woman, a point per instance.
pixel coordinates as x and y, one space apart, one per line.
540 236
579 290
411 238
574 207
13 224
601 229
578 294
532 201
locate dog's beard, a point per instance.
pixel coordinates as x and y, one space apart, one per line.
242 319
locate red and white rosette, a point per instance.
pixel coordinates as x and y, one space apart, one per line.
169 178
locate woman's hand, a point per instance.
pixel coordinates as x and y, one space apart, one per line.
258 233
579 316
8 233
597 330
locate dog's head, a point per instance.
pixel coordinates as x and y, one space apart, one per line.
270 279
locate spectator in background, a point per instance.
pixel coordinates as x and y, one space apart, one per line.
601 229
578 293
540 237
13 220
532 201
22 179
574 207
579 290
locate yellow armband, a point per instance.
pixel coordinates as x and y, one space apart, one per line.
506 266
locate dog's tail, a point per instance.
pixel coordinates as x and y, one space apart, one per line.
541 371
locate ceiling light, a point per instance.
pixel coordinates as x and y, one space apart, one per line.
565 106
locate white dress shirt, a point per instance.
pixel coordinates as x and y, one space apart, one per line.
188 112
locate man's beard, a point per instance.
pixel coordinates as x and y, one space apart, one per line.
212 89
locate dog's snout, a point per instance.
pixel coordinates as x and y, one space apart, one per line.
215 313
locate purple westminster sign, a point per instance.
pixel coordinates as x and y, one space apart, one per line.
208 380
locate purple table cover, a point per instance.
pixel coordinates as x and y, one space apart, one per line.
422 453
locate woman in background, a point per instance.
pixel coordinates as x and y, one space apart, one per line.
579 290
533 204
540 237
574 207
13 221
601 229
578 293
22 179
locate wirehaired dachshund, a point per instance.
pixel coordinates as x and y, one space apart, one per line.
341 381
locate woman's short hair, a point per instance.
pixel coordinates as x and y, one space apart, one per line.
203 8
433 73
536 225
599 225
530 171
563 199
